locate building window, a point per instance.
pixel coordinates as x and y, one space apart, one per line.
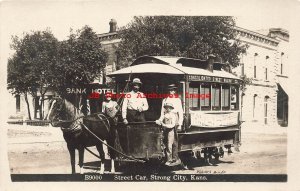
254 102
242 65
266 69
242 69
18 103
216 97
281 64
266 109
254 67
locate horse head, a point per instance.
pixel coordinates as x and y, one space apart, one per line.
57 111
62 113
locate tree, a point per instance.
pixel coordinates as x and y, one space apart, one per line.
195 37
30 69
19 82
245 81
81 60
41 63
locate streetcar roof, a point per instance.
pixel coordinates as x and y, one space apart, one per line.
148 68
169 65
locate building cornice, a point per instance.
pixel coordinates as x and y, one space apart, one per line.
108 36
255 44
256 36
240 32
262 85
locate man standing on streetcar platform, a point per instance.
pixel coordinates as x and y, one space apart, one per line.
176 102
134 104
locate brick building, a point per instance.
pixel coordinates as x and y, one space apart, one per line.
109 42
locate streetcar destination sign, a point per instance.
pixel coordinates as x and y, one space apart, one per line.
212 79
200 119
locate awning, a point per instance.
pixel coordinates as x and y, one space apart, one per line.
283 82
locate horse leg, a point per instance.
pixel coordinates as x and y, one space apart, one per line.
71 150
112 170
112 161
112 156
81 158
102 157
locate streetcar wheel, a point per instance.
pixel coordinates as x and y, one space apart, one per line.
217 157
208 161
198 154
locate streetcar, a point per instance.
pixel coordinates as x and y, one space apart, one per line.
210 97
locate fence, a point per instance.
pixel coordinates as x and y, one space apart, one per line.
30 122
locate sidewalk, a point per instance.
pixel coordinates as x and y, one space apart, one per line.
26 138
257 128
33 134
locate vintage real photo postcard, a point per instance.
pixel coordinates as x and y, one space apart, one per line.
129 91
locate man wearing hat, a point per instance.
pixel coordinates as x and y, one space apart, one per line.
134 104
176 102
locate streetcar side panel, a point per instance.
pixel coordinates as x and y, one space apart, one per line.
198 140
141 140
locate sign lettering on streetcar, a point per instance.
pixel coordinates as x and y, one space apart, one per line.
212 79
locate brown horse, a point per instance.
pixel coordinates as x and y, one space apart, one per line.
73 124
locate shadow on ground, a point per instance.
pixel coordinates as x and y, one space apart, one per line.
152 166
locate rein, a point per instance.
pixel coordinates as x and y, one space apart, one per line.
119 152
72 121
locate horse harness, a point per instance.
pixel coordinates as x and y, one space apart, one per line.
77 124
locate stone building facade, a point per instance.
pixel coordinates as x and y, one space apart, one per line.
18 107
265 101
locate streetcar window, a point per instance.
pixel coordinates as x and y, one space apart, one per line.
205 90
193 95
225 97
234 98
212 96
216 96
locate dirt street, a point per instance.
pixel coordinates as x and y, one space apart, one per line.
42 150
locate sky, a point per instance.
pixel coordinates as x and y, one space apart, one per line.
23 16
17 17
